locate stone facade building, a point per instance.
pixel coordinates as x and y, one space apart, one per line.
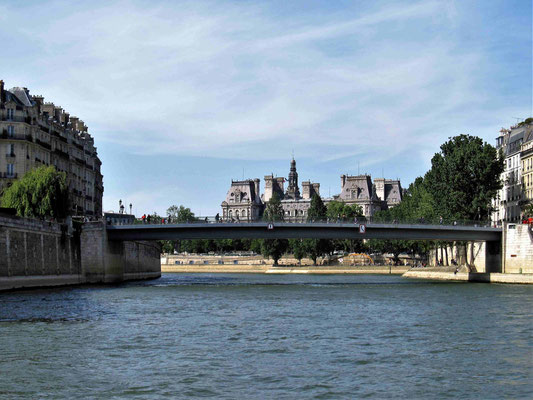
371 197
526 157
510 200
243 202
34 133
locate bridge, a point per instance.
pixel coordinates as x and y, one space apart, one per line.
284 230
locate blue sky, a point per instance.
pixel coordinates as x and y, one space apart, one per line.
181 96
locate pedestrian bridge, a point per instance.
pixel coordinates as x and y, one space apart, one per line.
285 230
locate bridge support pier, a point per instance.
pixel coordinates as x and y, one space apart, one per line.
108 261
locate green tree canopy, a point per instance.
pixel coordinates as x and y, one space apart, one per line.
317 210
298 249
417 206
180 214
464 178
340 210
274 248
528 211
315 248
273 209
42 192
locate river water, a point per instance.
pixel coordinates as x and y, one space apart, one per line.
269 337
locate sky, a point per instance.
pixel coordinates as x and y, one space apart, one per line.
182 97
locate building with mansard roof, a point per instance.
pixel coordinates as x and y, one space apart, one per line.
244 203
34 133
517 177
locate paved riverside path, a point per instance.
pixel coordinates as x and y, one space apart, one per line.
285 230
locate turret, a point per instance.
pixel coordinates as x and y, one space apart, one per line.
292 190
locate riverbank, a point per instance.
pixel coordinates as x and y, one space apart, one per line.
450 275
269 269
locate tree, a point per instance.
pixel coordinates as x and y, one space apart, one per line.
338 210
528 211
395 247
273 209
317 210
274 248
180 214
42 192
417 206
298 249
315 248
464 178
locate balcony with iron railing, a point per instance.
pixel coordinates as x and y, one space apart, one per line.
8 175
43 144
61 153
10 155
15 118
14 136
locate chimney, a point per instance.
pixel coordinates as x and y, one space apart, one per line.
1 91
75 123
58 112
343 180
316 188
256 186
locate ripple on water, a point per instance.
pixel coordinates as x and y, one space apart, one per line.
284 337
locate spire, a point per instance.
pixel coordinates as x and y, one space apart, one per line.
292 190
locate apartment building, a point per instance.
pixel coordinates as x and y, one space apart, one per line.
526 157
509 202
35 133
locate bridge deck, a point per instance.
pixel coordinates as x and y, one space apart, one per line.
281 230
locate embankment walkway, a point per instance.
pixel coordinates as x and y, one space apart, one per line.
448 274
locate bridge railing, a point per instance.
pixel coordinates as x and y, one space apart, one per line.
297 220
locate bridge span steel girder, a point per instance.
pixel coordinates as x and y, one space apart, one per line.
259 230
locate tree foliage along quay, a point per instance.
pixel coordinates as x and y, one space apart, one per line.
464 178
274 248
42 192
315 248
273 209
180 214
340 211
317 210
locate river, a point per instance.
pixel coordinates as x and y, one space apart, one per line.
269 337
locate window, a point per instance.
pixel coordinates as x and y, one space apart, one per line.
10 113
11 150
10 130
10 169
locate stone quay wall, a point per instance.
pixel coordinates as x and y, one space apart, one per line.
518 249
36 253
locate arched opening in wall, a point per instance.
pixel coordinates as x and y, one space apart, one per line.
237 214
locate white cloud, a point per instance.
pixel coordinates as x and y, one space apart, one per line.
209 79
